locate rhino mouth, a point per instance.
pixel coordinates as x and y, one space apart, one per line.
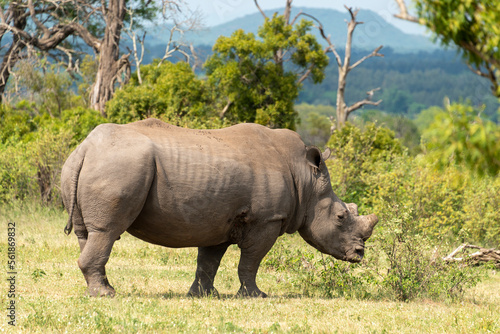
356 256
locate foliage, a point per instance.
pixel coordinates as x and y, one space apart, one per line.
458 135
449 205
88 71
16 172
169 91
314 124
46 85
415 268
253 83
471 25
405 129
354 156
34 147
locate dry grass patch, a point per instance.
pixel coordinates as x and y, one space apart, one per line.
152 281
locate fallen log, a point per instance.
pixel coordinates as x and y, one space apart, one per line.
482 255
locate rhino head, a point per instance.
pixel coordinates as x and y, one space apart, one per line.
330 225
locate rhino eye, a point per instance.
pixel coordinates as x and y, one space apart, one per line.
342 215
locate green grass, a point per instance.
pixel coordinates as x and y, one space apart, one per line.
151 283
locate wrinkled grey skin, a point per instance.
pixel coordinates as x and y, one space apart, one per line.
176 187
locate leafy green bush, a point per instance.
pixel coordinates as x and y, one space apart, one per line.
355 154
33 151
415 268
459 136
16 172
169 91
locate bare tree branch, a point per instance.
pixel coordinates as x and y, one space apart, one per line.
490 75
288 10
226 108
360 104
38 24
482 255
260 9
403 12
133 36
330 47
343 111
373 54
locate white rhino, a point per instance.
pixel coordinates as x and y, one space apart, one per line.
176 187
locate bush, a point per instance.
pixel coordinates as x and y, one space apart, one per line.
415 268
459 136
356 154
169 91
33 151
16 172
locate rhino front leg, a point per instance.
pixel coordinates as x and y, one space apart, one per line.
256 245
92 260
206 268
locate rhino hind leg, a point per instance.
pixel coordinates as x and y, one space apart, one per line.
254 247
206 268
92 261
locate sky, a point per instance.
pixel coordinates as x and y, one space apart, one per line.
219 11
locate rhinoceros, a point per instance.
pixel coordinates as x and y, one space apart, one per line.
176 187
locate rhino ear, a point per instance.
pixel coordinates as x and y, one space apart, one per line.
313 156
325 155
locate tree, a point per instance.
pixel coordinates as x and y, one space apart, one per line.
344 67
470 25
45 25
249 77
45 85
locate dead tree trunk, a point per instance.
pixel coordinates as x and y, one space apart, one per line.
481 255
111 66
344 67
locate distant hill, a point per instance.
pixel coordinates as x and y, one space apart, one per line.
374 32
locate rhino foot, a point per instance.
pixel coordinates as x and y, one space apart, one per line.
199 292
251 292
101 291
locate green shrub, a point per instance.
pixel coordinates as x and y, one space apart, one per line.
459 136
415 268
16 172
34 148
357 153
170 91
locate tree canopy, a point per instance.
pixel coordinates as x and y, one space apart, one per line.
471 25
257 79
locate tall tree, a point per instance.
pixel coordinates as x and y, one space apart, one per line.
344 66
470 25
250 77
45 25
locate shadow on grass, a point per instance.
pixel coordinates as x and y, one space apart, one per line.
222 296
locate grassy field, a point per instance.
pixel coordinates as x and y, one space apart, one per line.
151 283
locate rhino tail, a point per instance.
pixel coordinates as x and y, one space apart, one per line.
73 191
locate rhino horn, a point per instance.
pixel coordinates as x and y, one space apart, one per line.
372 220
369 223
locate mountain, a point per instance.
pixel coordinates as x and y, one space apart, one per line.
373 32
